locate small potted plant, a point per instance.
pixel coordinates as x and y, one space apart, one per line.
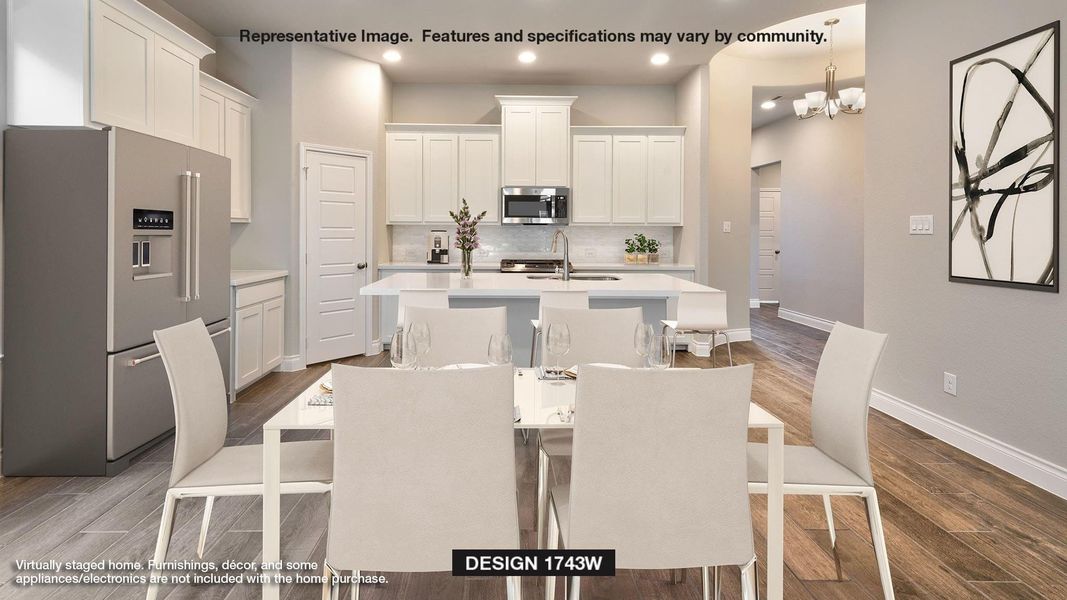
642 248
653 251
466 236
631 251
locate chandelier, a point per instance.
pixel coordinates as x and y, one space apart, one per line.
849 100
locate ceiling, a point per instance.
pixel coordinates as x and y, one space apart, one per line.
788 93
557 63
849 35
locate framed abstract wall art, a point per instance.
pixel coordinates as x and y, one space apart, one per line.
1004 215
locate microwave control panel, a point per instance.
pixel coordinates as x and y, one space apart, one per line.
145 218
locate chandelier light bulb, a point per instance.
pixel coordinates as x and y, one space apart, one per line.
800 107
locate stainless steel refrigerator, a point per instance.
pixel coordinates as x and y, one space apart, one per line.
108 235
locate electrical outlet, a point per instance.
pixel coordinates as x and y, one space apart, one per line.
950 383
590 252
727 226
921 225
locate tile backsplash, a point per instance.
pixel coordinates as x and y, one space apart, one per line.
588 244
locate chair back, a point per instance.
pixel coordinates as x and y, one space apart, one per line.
702 311
842 394
562 299
659 470
198 390
424 462
425 298
458 335
598 335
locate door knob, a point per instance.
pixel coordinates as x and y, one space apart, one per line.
361 266
777 251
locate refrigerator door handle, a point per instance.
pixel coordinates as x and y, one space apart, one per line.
187 180
196 236
136 361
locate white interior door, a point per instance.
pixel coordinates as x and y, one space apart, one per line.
770 202
336 195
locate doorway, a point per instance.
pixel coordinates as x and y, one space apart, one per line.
766 235
335 210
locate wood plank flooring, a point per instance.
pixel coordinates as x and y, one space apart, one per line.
956 527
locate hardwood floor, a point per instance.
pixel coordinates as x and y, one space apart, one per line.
956 527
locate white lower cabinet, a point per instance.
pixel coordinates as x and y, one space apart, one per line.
258 328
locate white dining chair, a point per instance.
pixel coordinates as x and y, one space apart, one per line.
407 488
658 472
702 312
838 464
458 335
598 335
555 299
424 298
203 467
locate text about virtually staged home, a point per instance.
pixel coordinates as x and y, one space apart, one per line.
470 299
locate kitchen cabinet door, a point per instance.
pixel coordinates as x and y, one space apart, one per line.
440 176
273 333
249 344
176 77
212 121
403 177
665 179
520 145
629 157
238 148
553 145
122 60
479 173
591 190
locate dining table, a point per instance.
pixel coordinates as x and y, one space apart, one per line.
539 404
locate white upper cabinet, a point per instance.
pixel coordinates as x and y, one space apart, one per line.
629 154
110 63
225 115
479 173
403 176
664 179
536 140
440 176
591 193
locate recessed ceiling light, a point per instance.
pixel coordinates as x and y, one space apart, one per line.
391 55
768 104
660 58
527 57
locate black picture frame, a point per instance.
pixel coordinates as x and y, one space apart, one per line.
1054 287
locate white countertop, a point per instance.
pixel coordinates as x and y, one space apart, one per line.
495 266
518 285
250 276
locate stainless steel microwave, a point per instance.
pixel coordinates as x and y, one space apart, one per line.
534 205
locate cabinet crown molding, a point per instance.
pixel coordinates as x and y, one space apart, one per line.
160 25
442 128
221 87
536 100
628 129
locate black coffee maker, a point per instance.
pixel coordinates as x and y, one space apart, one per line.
437 247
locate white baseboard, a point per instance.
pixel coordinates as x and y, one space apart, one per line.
753 302
1022 464
809 320
375 347
293 362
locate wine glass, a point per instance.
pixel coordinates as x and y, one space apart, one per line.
558 343
402 352
420 337
500 349
660 351
642 338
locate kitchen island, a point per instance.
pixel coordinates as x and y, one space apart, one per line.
656 293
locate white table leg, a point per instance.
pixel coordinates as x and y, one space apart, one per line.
272 509
775 513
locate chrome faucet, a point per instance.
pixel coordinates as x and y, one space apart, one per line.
566 253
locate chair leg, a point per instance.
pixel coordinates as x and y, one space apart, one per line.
542 494
514 584
718 583
729 352
748 582
209 502
533 346
574 587
705 584
830 519
874 517
354 586
166 525
712 342
327 577
677 576
551 543
525 436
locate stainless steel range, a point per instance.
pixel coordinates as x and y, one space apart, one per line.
531 265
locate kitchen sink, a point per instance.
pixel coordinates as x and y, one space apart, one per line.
578 277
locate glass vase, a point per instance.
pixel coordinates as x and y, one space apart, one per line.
466 266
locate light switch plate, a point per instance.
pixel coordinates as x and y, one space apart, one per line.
727 226
921 225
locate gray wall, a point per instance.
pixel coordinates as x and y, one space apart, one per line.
691 101
819 166
475 103
1007 346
